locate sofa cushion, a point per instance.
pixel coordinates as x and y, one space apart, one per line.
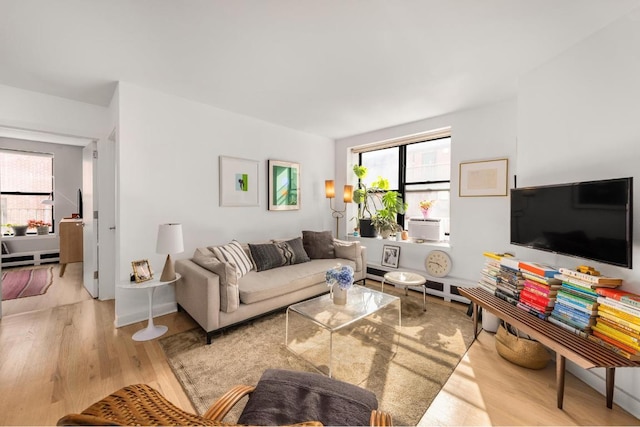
293 251
234 254
318 244
229 294
259 286
266 256
348 250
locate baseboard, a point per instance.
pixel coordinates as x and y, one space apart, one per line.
139 316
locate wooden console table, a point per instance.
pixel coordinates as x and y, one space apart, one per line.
71 249
583 352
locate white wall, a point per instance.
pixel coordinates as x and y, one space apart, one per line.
168 150
578 120
478 224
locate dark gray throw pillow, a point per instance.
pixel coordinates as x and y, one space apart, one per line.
318 244
284 397
293 251
266 256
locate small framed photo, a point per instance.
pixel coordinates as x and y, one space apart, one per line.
390 256
142 270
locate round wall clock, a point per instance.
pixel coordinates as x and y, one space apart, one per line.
438 263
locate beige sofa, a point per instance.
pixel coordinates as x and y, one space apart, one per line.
217 296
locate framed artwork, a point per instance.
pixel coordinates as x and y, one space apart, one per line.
284 185
483 178
390 256
238 182
142 270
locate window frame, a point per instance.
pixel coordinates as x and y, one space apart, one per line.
402 165
44 195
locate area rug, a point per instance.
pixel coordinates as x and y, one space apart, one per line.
26 282
405 367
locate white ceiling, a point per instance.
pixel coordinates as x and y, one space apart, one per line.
328 67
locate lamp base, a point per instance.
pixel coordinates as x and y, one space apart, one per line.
168 272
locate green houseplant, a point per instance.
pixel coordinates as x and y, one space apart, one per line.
385 219
378 207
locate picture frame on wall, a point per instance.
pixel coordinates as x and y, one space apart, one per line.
484 178
238 181
284 185
142 270
390 256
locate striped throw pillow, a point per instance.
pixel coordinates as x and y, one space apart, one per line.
234 254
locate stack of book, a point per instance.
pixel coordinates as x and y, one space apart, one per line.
538 295
489 274
618 323
510 280
576 302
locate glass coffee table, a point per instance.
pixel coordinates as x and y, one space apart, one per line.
361 302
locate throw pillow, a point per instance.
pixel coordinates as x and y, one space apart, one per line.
266 256
293 251
348 250
318 244
233 254
229 292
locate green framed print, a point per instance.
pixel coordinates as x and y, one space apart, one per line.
284 185
238 182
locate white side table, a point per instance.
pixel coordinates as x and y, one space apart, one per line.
406 279
151 331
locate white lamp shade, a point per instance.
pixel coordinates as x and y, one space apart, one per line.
170 239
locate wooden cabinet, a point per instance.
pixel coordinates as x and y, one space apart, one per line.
70 242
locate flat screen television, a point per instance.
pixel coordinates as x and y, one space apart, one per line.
591 220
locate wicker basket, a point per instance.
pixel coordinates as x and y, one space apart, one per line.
521 351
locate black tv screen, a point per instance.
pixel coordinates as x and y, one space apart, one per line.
591 220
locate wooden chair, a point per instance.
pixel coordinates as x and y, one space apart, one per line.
142 405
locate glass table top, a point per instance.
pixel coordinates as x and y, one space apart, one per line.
361 302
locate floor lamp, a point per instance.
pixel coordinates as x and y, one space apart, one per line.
330 193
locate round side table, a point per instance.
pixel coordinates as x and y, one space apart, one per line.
151 331
405 279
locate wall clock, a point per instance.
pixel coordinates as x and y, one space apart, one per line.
438 263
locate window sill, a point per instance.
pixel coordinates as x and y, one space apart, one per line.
30 237
441 244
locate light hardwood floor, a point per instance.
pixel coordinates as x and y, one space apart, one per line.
58 360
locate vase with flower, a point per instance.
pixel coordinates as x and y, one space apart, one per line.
425 207
339 279
41 227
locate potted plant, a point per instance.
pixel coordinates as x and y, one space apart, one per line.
19 230
385 219
42 227
385 205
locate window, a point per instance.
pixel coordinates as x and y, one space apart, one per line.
26 179
419 169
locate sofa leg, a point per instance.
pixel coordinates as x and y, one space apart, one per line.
209 336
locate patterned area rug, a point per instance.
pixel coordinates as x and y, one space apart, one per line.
26 282
405 368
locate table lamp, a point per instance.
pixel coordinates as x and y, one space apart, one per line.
169 242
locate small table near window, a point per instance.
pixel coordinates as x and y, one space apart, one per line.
151 331
406 279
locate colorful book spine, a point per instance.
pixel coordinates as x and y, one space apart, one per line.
527 296
629 353
620 306
604 308
576 301
578 307
616 335
567 326
549 281
539 288
597 280
539 269
616 319
620 327
584 292
628 298
574 313
541 314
